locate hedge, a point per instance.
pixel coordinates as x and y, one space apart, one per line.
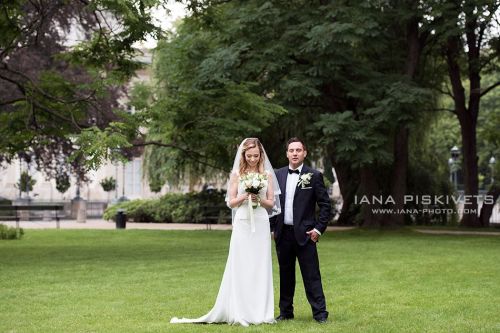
194 207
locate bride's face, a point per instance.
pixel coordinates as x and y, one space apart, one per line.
252 157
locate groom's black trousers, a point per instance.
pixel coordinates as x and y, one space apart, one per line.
288 251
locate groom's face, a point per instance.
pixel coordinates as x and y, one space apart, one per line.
296 154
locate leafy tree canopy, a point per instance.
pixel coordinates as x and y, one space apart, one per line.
62 69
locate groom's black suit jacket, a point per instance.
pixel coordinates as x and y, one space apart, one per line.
304 205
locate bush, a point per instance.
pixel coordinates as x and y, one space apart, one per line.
172 208
10 232
175 207
62 183
5 202
137 210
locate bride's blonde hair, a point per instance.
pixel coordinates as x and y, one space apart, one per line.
249 144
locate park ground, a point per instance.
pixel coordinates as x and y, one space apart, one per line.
136 280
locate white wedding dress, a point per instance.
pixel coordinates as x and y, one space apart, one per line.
246 294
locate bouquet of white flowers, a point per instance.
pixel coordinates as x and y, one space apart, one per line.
253 183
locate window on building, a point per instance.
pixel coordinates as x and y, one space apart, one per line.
133 178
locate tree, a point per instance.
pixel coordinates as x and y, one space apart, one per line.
196 118
357 79
53 87
471 48
462 29
26 183
326 64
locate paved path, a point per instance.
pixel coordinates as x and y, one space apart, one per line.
458 232
102 224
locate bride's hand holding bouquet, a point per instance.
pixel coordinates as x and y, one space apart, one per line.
254 182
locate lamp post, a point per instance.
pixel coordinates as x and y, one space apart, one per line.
492 163
116 156
453 164
77 194
20 173
116 177
123 197
450 165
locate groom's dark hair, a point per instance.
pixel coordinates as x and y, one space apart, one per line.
295 139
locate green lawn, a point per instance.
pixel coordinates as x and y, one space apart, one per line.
136 280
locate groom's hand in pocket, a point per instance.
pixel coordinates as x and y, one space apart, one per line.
314 235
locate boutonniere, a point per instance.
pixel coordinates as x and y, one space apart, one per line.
305 179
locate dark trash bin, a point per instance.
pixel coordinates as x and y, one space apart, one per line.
121 219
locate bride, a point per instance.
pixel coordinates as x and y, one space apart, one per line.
246 294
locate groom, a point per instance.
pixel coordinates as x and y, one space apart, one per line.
296 230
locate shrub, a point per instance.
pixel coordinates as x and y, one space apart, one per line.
175 207
10 232
137 210
62 183
26 182
172 207
5 202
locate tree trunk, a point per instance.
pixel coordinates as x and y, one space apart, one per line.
467 115
487 208
414 43
369 189
468 130
400 174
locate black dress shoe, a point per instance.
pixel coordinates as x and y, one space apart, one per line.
284 317
321 320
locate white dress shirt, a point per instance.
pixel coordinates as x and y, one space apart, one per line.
291 185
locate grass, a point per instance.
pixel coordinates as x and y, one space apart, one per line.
136 280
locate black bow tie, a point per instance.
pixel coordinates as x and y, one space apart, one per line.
294 171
